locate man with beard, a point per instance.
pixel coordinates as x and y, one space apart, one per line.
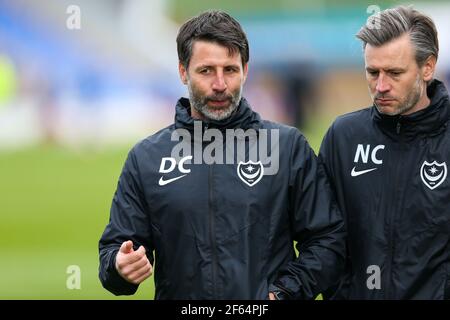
389 165
218 230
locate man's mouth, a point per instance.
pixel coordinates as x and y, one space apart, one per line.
217 103
384 102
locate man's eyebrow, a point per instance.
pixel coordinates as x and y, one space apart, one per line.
396 69
233 66
202 66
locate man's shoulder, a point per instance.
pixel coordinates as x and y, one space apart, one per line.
353 119
286 133
284 129
157 139
358 115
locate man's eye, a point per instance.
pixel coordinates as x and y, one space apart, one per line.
230 70
204 71
373 73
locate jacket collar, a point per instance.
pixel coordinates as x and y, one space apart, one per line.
243 117
426 122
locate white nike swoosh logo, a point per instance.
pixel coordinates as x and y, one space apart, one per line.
163 182
358 173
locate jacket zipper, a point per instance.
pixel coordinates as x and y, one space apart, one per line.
392 227
390 256
212 228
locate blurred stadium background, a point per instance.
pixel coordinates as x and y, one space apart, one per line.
74 101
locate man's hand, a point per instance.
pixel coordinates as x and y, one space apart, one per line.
272 296
132 265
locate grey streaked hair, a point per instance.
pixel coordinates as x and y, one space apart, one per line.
213 26
393 23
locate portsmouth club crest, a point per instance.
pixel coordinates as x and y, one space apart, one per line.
433 174
250 172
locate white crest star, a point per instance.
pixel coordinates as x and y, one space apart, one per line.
433 170
250 168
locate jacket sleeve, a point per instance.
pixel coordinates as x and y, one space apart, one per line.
129 220
316 225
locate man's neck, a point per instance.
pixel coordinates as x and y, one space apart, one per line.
423 103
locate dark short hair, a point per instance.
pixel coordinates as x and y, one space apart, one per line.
213 26
393 23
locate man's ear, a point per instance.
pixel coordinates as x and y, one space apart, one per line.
183 73
245 71
428 68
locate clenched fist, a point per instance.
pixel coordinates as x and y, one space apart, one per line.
132 265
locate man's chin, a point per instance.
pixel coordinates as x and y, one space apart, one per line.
388 110
218 114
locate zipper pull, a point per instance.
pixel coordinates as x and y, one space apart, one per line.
399 125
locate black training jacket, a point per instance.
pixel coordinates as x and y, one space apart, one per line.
210 234
390 175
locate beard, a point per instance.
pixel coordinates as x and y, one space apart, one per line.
200 103
410 101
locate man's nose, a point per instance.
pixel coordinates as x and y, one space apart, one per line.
219 83
382 83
